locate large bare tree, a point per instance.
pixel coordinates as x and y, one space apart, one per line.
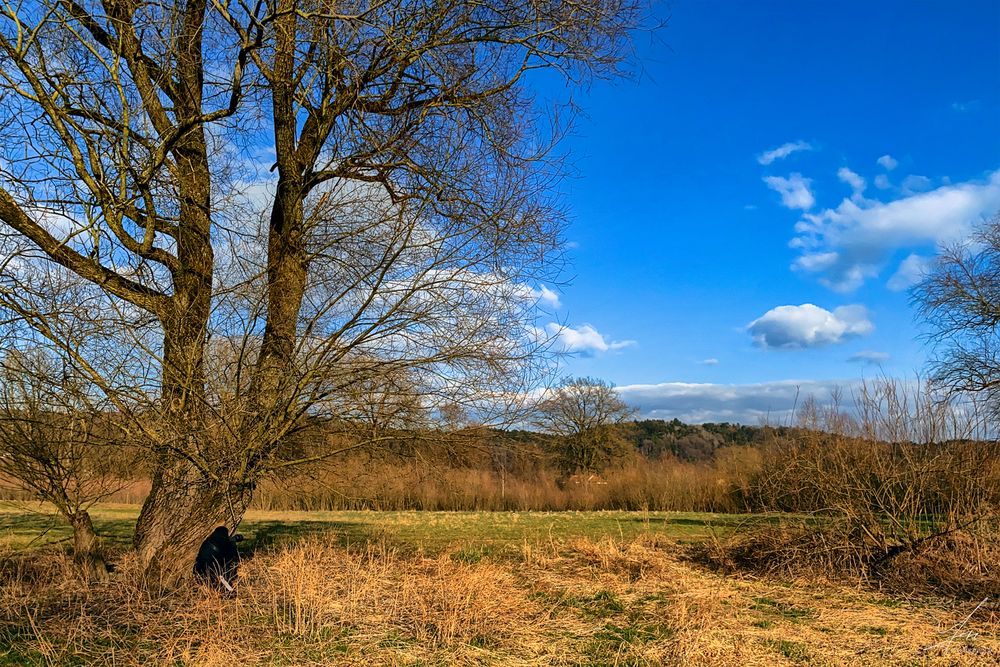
276 190
959 298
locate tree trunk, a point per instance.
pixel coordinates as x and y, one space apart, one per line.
182 509
188 496
286 281
186 500
86 550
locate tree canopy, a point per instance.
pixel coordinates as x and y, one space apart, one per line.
267 205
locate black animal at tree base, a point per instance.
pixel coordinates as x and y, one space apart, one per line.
218 559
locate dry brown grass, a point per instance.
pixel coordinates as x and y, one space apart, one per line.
581 602
666 484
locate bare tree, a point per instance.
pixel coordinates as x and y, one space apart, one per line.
583 413
960 299
61 443
404 204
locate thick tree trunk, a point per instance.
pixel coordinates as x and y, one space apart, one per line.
86 549
187 500
189 495
182 509
286 253
286 282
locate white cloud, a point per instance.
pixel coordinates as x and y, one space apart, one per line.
851 178
584 339
888 162
916 183
794 190
869 357
545 295
865 234
807 325
882 182
817 261
783 151
711 361
911 271
769 402
541 294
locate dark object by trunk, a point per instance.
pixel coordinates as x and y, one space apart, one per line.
218 559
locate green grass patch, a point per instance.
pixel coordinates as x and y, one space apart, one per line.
781 609
480 534
794 651
602 604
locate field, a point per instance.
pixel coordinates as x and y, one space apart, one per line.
465 588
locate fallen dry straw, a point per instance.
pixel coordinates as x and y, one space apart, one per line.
580 602
312 587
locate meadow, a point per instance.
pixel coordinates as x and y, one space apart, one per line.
466 588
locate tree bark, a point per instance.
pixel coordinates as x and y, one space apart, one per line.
183 509
86 549
286 278
286 256
188 497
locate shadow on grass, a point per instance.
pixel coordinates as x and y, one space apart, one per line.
28 530
31 529
725 520
263 535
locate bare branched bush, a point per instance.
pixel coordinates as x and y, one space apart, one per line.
906 470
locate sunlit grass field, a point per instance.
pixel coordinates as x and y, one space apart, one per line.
25 525
463 588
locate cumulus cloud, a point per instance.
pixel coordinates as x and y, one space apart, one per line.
910 272
888 162
541 294
769 402
783 151
882 182
869 357
851 178
584 339
916 183
853 242
807 325
794 190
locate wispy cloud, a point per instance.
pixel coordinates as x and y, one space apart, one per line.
711 361
794 190
853 242
869 357
916 183
541 294
808 325
856 182
965 107
783 151
910 272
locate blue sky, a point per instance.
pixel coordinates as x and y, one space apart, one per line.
769 155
